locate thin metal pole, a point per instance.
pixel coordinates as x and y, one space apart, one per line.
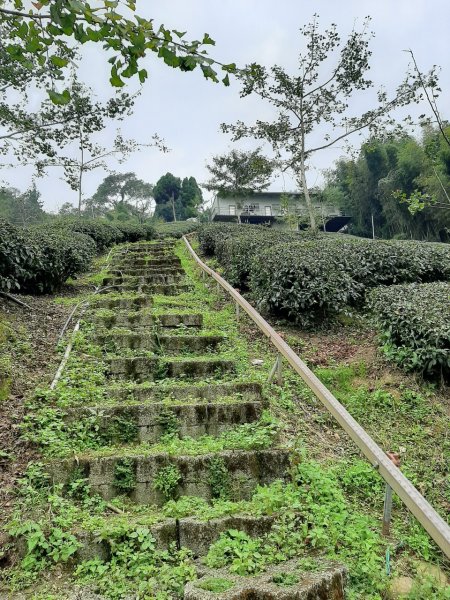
387 511
279 369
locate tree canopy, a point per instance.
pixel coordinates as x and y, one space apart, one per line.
402 183
313 104
177 200
44 39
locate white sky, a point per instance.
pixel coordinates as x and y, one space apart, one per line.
186 110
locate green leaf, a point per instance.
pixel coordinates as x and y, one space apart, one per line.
208 40
59 99
58 61
226 80
143 74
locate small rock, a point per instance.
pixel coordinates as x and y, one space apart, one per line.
257 362
400 587
428 570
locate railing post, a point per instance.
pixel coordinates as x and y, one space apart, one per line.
279 369
238 312
387 511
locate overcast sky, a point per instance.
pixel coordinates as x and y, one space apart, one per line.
186 110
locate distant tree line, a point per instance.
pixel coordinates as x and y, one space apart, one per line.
397 187
119 197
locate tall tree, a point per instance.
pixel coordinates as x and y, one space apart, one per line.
81 153
124 190
21 208
191 197
239 174
315 102
167 197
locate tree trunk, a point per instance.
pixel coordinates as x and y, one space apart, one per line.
80 178
304 186
173 208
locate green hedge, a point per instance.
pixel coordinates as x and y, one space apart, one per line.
309 278
176 230
61 254
18 256
104 234
134 232
235 246
415 324
40 259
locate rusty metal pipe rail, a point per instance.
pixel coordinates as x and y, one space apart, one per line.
434 524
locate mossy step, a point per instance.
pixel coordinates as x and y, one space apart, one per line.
154 263
160 289
286 581
137 280
193 534
246 470
172 344
116 302
146 271
145 319
147 423
129 320
142 368
206 392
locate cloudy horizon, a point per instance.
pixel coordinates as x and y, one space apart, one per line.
187 110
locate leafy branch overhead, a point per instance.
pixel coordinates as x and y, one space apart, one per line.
43 37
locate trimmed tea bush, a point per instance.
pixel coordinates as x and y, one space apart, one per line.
415 324
135 232
177 229
18 256
104 234
235 246
309 278
60 254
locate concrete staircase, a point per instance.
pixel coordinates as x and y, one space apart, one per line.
165 371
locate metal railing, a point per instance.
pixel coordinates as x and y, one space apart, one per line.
434 524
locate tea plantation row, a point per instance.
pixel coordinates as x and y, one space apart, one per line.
309 279
40 259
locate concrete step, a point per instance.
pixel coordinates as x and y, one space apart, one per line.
145 319
149 422
136 281
141 368
153 263
204 392
131 303
193 534
145 271
105 474
171 344
160 289
327 582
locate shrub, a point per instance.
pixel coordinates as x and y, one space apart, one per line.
308 278
18 256
176 229
104 234
40 259
60 255
135 232
415 325
301 283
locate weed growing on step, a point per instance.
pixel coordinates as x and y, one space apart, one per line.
168 421
167 480
136 566
125 475
215 585
219 478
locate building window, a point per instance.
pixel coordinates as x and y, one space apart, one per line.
232 209
268 211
